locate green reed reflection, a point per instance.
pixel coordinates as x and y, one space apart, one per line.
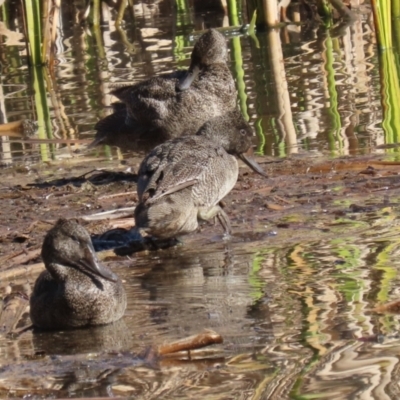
335 141
255 283
181 40
182 14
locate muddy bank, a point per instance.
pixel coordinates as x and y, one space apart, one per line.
303 197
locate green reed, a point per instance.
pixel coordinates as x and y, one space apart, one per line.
96 12
389 72
382 11
34 31
239 75
396 24
42 111
33 14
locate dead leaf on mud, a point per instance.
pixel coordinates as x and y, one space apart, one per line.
369 171
274 207
264 190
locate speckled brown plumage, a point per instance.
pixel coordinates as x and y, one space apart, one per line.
169 105
75 290
183 179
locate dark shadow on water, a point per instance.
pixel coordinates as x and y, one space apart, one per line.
107 338
95 177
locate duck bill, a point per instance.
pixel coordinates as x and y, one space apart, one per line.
252 164
91 262
192 74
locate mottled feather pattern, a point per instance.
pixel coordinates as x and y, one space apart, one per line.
75 290
180 161
157 110
183 179
157 103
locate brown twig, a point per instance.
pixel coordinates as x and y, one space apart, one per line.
203 339
26 257
206 338
112 214
20 270
111 196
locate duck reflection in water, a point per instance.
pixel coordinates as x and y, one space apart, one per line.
172 104
75 290
193 289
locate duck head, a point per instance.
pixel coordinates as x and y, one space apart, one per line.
68 244
209 49
234 134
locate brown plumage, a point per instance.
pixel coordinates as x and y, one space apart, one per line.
183 179
75 290
169 105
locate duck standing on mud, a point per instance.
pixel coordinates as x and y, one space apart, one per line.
183 179
169 105
75 290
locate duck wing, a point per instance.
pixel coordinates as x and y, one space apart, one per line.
175 165
160 87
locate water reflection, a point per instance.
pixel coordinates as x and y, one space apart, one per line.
290 316
218 290
114 337
321 94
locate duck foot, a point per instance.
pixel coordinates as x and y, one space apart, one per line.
147 243
207 214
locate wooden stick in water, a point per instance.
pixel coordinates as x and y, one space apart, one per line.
203 339
14 129
153 354
14 305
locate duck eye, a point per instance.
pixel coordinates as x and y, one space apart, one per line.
243 132
75 239
210 53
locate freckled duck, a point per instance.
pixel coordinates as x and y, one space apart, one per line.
183 179
75 290
169 105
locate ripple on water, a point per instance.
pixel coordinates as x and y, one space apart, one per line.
290 317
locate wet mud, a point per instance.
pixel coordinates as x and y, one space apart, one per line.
300 195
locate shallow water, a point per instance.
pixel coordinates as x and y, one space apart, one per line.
290 306
290 317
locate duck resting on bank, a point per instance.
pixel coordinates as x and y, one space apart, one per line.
172 104
75 290
183 179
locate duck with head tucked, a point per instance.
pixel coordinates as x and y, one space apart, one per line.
183 179
75 290
169 105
